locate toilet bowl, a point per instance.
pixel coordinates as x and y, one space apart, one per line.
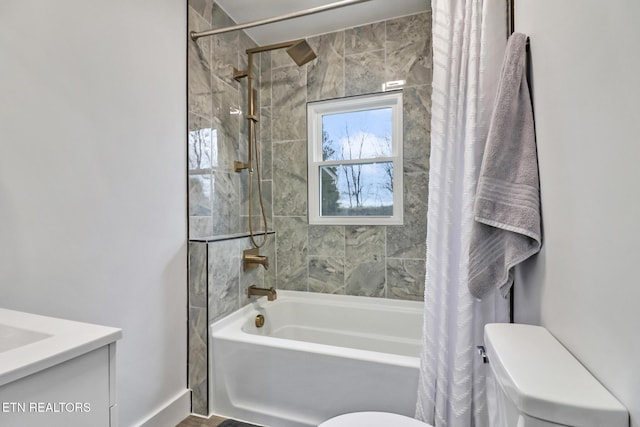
372 419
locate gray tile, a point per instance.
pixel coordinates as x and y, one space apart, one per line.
409 52
365 279
197 23
258 227
243 108
226 143
200 143
409 240
266 146
326 240
267 197
416 197
198 274
290 178
289 95
224 47
291 253
200 203
326 275
417 127
200 227
408 29
198 352
269 250
199 94
325 74
199 74
256 211
203 8
364 73
365 260
226 202
265 79
405 279
245 42
225 259
245 189
364 242
364 38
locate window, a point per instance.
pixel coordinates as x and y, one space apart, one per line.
355 160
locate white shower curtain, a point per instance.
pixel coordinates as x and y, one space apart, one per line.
469 37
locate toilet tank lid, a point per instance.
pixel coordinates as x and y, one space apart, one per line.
545 381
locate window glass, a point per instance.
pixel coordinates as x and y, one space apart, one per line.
357 134
355 160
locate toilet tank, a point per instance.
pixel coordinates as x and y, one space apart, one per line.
533 381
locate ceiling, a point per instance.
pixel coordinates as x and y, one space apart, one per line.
242 11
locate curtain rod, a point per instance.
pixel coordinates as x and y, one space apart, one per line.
510 17
196 35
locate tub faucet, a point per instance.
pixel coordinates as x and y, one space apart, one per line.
251 258
261 292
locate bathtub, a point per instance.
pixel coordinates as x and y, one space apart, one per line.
317 356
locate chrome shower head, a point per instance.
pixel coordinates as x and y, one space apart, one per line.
301 52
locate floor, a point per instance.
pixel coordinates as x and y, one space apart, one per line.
193 421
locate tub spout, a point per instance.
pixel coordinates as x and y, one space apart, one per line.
251 258
261 292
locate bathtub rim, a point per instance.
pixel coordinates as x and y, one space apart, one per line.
229 328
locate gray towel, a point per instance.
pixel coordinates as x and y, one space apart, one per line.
506 230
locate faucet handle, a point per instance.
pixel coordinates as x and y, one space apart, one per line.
251 258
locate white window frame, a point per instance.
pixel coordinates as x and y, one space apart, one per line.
315 111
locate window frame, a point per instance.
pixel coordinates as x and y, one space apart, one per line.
315 111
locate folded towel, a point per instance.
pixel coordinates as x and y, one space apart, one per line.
506 230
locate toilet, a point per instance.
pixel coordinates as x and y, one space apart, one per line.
532 381
372 419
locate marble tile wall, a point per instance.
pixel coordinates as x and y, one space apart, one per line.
217 287
218 196
380 261
217 104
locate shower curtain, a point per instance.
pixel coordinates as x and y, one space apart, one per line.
469 38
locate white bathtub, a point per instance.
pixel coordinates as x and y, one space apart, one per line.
317 356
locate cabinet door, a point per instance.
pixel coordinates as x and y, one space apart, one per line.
74 393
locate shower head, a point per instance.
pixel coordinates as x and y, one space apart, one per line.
298 50
301 53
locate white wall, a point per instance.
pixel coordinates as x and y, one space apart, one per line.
93 178
584 286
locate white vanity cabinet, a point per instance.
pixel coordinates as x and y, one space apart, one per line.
56 373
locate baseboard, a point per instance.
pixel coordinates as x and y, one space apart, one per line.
174 411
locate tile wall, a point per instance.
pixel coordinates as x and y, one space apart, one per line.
217 126
218 196
217 287
380 261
